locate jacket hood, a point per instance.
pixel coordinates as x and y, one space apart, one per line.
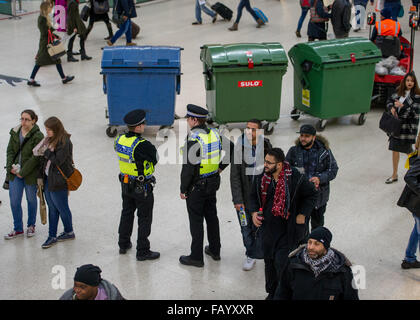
111 291
343 259
319 139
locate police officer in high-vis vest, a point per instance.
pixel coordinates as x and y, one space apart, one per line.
199 182
137 160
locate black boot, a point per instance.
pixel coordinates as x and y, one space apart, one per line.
70 57
84 56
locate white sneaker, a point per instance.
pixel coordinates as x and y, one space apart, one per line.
30 232
249 263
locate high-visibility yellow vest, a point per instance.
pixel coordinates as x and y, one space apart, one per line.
125 147
210 149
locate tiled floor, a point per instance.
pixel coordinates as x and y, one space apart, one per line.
362 213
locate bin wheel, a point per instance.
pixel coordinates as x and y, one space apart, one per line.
177 117
321 124
295 114
268 128
362 119
111 132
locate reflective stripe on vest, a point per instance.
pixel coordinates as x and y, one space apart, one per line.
210 147
388 27
125 149
314 15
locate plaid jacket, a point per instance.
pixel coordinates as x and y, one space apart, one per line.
409 116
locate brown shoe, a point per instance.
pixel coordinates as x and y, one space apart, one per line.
131 44
109 43
234 27
260 23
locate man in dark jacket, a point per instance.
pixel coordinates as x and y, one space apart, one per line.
281 200
126 9
317 272
318 23
410 199
340 18
313 157
88 285
248 162
75 25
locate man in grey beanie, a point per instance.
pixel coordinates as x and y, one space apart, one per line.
88 285
317 272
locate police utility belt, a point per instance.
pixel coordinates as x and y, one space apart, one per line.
140 184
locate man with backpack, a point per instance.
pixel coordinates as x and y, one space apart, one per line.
318 24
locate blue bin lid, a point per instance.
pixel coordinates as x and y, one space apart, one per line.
141 56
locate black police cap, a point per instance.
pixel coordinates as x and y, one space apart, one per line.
196 111
135 117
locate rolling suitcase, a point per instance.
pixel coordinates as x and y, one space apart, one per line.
261 15
222 10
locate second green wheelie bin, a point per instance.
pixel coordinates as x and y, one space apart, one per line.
333 78
243 81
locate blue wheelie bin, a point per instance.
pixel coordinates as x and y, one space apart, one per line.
141 77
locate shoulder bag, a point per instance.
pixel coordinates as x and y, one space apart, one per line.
55 47
389 124
74 181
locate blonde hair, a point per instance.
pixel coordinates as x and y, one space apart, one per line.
44 8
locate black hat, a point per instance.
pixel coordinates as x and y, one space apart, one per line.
307 129
196 111
88 274
386 13
323 235
135 117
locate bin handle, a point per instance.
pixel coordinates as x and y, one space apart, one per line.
305 82
104 83
178 83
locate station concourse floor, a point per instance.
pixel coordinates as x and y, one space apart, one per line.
362 214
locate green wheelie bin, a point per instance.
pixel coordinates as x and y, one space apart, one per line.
243 81
333 78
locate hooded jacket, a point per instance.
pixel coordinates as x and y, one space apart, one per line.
241 168
410 197
326 169
112 292
298 281
30 163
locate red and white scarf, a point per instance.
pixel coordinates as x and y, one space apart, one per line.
280 195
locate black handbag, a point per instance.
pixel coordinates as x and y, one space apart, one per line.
84 14
390 124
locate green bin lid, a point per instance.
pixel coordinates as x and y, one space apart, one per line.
335 51
217 55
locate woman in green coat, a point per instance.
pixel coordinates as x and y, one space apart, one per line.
43 58
22 171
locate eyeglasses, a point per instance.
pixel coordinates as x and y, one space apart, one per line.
270 163
25 119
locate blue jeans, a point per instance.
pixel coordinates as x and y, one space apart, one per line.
203 7
413 242
302 18
15 194
248 235
58 207
247 5
395 9
124 28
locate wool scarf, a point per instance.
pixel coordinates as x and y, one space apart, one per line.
281 195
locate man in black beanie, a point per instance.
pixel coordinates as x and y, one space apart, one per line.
317 272
88 285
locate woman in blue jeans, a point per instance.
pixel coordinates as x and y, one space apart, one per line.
57 151
245 4
22 169
201 5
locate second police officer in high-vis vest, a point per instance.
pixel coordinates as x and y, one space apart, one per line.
199 182
137 160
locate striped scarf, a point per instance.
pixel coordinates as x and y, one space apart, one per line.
320 265
281 200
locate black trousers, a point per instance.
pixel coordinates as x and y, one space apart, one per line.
317 217
101 17
82 44
201 204
144 206
273 270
